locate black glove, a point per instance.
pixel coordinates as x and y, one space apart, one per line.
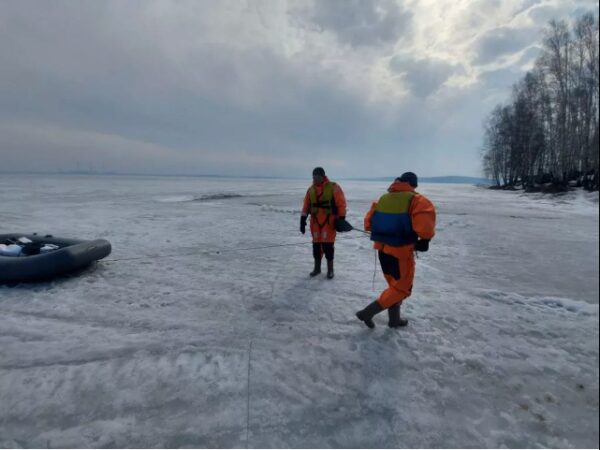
302 224
422 245
341 225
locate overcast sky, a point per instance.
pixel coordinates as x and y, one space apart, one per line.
261 87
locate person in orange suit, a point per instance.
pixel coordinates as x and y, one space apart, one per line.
401 222
325 202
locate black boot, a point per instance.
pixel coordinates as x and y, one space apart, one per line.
317 270
366 315
330 268
394 315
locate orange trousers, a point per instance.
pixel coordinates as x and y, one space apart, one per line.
399 272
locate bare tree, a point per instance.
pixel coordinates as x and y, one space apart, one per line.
549 130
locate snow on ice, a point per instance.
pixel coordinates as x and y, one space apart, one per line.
206 344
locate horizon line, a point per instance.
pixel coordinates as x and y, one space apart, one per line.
365 178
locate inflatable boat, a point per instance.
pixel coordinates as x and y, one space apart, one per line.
34 257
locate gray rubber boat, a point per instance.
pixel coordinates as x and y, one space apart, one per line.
70 256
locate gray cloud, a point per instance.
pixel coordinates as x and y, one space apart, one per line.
89 70
362 22
530 55
544 12
506 40
503 41
229 87
424 76
501 79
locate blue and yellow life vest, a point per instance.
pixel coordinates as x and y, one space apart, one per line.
391 222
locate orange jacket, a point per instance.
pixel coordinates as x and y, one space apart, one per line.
322 227
338 196
422 215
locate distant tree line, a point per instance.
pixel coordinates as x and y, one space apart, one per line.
546 137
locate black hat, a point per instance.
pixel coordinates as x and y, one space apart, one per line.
410 178
319 171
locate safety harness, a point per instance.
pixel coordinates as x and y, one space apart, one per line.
324 201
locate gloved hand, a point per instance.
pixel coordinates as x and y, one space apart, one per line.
341 225
302 224
422 245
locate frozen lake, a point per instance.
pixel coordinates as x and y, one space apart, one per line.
228 345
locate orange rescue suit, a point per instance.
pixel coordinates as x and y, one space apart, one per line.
322 223
422 215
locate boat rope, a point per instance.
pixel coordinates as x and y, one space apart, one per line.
214 252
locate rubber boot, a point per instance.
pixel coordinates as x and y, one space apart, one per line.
394 315
330 269
317 270
366 315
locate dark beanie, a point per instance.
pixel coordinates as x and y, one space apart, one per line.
319 171
410 178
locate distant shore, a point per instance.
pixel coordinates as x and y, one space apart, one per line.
453 179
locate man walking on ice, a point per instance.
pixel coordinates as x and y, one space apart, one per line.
401 222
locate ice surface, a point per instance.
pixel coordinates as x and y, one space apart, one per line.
221 346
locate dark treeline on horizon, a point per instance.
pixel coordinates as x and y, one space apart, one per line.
546 137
